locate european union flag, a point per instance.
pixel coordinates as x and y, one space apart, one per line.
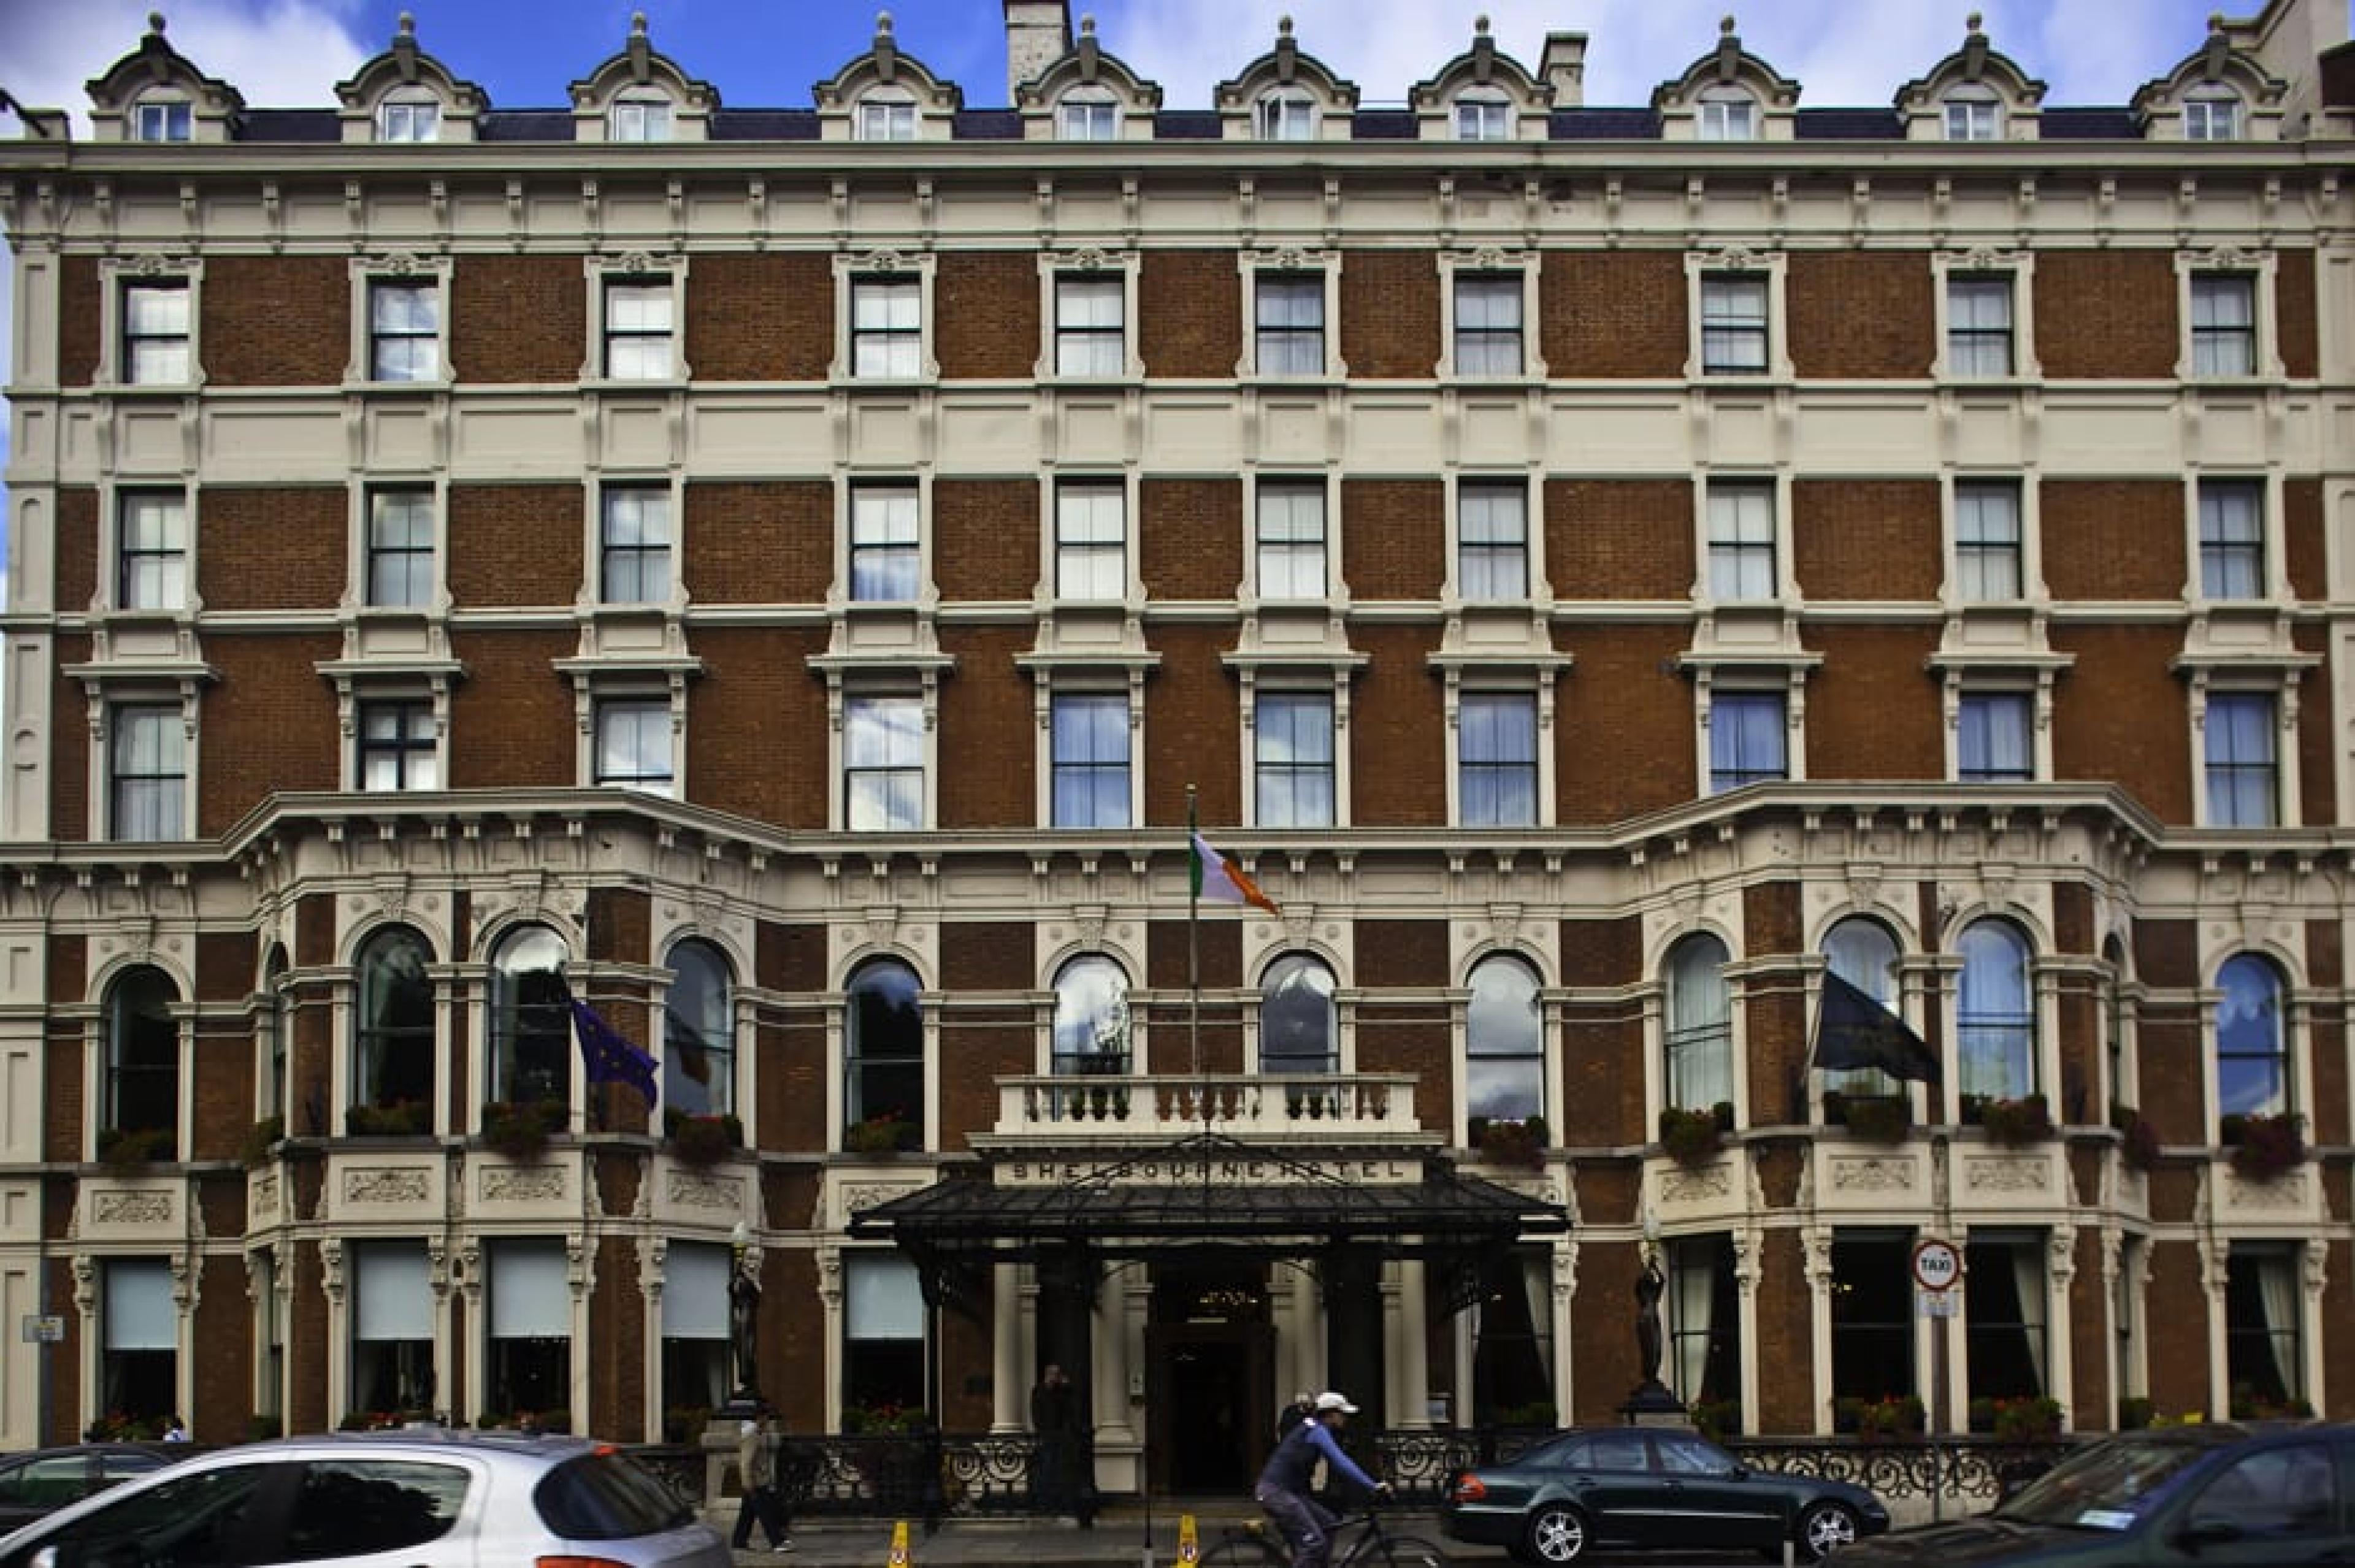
1853 1031
610 1057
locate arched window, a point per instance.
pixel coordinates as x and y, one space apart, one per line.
1090 1016
393 1055
1504 1042
1299 1028
1974 113
1087 114
1285 115
277 1037
1700 1025
530 1022
700 1032
1862 953
1995 1015
411 115
886 115
1726 114
2251 1046
1482 114
883 1088
143 1060
2211 114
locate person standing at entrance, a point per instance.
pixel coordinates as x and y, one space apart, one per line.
1284 1484
1055 1420
756 1468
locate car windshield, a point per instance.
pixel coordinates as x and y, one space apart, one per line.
2107 1488
601 1495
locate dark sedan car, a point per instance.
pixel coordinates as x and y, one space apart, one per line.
1636 1487
2218 1496
45 1479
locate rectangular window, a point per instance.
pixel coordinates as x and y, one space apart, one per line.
1292 759
2232 538
2243 774
1729 119
883 764
1746 740
1497 759
1979 325
2216 119
1291 542
1704 1322
1483 117
2264 1316
152 553
1285 117
638 330
695 1340
398 746
638 120
1488 323
1090 739
633 749
887 562
2223 324
1991 737
1090 337
1872 1322
882 1333
408 119
155 333
1091 541
400 547
1492 545
1973 119
1732 326
393 1326
1087 116
886 120
2006 1344
1288 317
147 768
161 121
1741 541
530 1313
404 331
140 1332
1988 543
887 328
634 546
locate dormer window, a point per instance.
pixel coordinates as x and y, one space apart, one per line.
2212 116
1974 114
1727 114
639 117
1087 114
1482 114
161 120
416 117
1286 116
887 116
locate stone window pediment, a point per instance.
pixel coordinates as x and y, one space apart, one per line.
1088 96
1977 93
154 94
406 95
1286 95
1727 95
885 95
639 95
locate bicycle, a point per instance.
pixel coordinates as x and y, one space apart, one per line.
1257 1544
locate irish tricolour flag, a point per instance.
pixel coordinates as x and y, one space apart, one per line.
1219 879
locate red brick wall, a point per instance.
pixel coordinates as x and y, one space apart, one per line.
1189 307
2318 748
2175 1313
617 1362
1614 313
2294 313
275 321
1787 1345
1193 727
986 1030
790 957
277 549
2305 543
2338 1347
760 316
70 780
989 732
1389 314
1620 539
987 314
1190 538
766 543
2107 314
1873 711
980 531
518 318
1601 1345
2171 1037
1623 726
756 685
80 307
1867 539
268 724
2113 539
2325 969
1397 735
2120 714
1857 314
511 721
77 549
791 1089
1393 537
516 544
221 1367
1601 1102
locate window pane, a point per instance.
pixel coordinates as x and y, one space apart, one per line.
1734 324
1292 748
1994 1014
1496 738
1492 545
883 752
2251 1052
2231 541
2241 764
1298 1029
1090 751
1745 738
1988 542
1504 1041
1992 742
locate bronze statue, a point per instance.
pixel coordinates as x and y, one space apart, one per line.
1648 1286
744 1326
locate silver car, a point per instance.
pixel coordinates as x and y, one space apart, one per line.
418 1498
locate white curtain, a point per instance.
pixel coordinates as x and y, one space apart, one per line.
2278 1289
530 1296
2027 1279
1700 1012
1696 1295
882 1299
140 1315
1994 1010
695 1290
392 1299
1536 1278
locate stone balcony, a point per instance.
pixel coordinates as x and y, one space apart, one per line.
1146 1109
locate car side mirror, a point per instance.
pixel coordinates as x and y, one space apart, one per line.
2208 1529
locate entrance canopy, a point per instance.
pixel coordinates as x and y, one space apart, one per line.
1209 1190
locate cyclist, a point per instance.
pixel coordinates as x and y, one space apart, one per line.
1283 1490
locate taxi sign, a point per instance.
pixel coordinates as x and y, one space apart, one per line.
1936 1264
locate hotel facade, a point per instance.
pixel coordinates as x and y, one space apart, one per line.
787 576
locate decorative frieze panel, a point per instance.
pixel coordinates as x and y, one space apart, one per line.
2009 1179
547 1184
121 1209
1882 1180
688 1195
1703 1195
372 1186
2293 1198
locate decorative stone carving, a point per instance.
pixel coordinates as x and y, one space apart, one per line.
858 1195
1872 1173
2287 1191
386 1184
2001 1175
522 1183
265 1198
693 1189
120 1206
1697 1185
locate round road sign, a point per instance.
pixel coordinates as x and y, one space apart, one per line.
1936 1264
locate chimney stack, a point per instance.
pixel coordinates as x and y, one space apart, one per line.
1562 67
1037 34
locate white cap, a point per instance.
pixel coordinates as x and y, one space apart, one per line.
1328 1400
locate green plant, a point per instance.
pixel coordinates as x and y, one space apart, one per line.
883 1133
519 1132
395 1119
1509 1140
2135 1412
2248 1404
2138 1139
1694 1137
2266 1147
2031 1418
1891 1415
2014 1123
259 1139
1717 1419
127 1148
1536 1413
1875 1118
701 1140
121 1427
263 1428
684 1422
878 1420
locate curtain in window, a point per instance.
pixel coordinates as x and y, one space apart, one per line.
392 1299
2278 1289
530 1296
1700 1043
2027 1280
1696 1280
140 1313
1993 1013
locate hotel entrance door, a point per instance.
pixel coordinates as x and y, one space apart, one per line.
1209 1360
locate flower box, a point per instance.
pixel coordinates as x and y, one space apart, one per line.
699 1140
2138 1139
1694 1137
1874 1118
2012 1123
128 1149
1509 1140
520 1132
2264 1147
259 1139
884 1133
399 1119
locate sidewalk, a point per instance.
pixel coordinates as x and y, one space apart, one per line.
1118 1540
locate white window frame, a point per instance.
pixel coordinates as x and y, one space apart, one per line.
642 116
163 705
638 312
650 723
2213 113
1482 114
1967 499
852 277
173 573
869 508
116 368
1503 277
1088 114
1980 695
1079 548
2280 695
1703 270
2018 268
1972 112
156 116
614 499
1257 772
1276 489
884 115
1485 489
1729 563
1077 691
2262 270
370 507
1742 694
401 269
1462 760
865 702
407 116
1726 114
1307 271
1286 114
1101 273
2268 578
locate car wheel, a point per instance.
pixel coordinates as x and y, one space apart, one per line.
1823 1528
1557 1534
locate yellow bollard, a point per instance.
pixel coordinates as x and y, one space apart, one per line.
1189 1541
900 1544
